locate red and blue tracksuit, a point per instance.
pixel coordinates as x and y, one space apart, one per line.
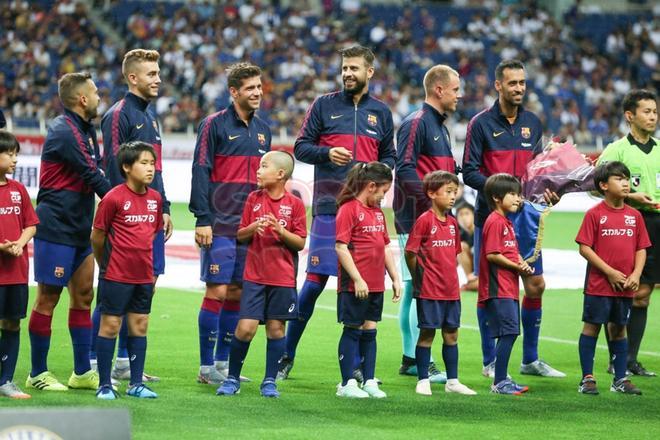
423 146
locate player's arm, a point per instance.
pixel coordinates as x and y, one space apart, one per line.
115 128
499 259
201 177
306 148
291 240
390 266
616 278
78 158
386 150
245 234
632 282
411 262
409 142
98 240
26 236
346 261
473 156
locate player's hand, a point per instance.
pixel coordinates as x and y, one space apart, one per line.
642 199
16 250
617 280
273 222
204 236
168 226
340 156
632 283
6 247
550 197
396 291
260 226
524 268
361 289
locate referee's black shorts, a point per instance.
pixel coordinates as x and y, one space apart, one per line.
651 272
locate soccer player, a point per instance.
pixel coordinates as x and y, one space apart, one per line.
230 144
70 175
274 223
423 146
17 227
134 119
613 240
339 129
504 138
640 152
499 266
127 220
364 255
430 254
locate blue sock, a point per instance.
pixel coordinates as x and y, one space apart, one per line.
423 358
227 321
274 351
620 357
239 350
80 329
40 331
503 347
405 324
307 297
349 344
9 344
207 321
137 353
530 315
105 349
96 325
487 342
368 349
122 348
450 357
587 350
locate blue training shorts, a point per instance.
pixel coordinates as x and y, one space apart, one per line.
503 316
353 311
263 302
117 299
13 301
223 262
603 309
433 313
55 263
322 254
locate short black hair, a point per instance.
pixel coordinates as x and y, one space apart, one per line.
359 51
603 172
464 205
130 152
237 73
9 143
499 185
507 64
631 100
435 180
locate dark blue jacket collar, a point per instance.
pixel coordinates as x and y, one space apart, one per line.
78 120
440 116
349 97
498 111
138 102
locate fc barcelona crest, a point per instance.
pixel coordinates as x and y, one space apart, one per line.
59 272
314 260
214 269
261 138
525 132
372 120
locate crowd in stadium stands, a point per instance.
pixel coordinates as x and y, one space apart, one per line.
578 68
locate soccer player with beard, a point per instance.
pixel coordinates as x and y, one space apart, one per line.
340 128
134 119
69 177
503 139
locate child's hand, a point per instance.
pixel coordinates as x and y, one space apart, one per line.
16 250
260 226
361 289
524 268
617 280
6 247
632 283
274 223
396 291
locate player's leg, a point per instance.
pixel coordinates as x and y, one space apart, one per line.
450 322
487 341
504 324
636 328
423 358
13 307
368 345
408 366
137 315
350 312
618 320
594 314
227 322
281 306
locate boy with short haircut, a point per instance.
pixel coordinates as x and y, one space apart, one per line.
431 251
127 219
17 227
500 264
274 225
613 239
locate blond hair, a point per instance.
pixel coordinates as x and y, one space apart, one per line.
437 74
136 56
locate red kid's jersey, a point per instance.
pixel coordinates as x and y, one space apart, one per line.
269 261
364 230
615 235
130 221
16 214
436 244
498 238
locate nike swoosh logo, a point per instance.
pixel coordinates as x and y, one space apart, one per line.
139 126
435 138
497 134
231 138
335 116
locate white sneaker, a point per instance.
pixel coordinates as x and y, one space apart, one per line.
454 386
423 387
351 390
489 371
371 388
540 368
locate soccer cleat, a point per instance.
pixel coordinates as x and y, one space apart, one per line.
85 381
454 386
588 385
351 390
521 388
124 373
285 367
141 391
11 390
435 375
507 386
106 392
269 388
408 366
371 388
229 387
225 373
625 386
636 369
540 368
211 376
423 387
45 381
